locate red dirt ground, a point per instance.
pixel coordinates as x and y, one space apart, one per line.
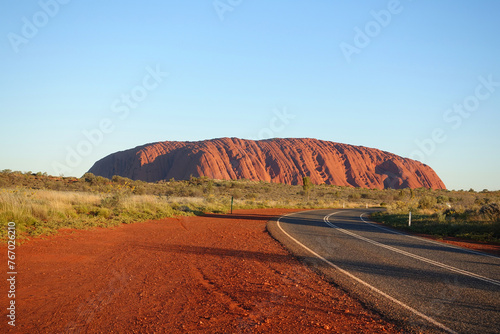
213 274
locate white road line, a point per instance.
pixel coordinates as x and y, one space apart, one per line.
417 257
427 240
392 299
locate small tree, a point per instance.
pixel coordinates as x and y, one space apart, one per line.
306 186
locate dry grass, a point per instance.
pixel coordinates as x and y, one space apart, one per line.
41 204
39 212
43 212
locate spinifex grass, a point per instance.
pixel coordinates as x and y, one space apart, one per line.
42 212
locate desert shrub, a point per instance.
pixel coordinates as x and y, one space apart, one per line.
195 181
441 217
195 192
252 196
237 194
491 211
82 209
354 196
442 199
112 201
400 195
450 213
103 213
89 177
401 207
139 190
453 214
121 180
169 192
209 187
427 202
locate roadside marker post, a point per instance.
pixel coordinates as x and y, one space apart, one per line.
232 204
409 219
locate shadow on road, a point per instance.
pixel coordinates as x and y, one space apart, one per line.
242 216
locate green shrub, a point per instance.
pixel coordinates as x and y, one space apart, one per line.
103 213
139 190
442 199
237 194
427 202
354 196
112 201
82 209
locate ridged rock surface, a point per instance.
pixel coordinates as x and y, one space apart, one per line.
271 160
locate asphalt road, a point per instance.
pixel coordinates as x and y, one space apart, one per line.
424 285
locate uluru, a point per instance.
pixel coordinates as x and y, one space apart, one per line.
277 160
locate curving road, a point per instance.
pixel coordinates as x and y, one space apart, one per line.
424 285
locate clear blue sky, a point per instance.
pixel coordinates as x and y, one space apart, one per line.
383 74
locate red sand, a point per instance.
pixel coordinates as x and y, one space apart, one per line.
214 274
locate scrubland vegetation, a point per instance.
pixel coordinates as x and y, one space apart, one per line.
464 215
42 204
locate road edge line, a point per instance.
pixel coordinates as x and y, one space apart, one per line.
394 231
413 256
372 288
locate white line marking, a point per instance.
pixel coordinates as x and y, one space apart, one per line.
417 257
392 299
427 240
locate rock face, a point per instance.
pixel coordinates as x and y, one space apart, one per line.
271 160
